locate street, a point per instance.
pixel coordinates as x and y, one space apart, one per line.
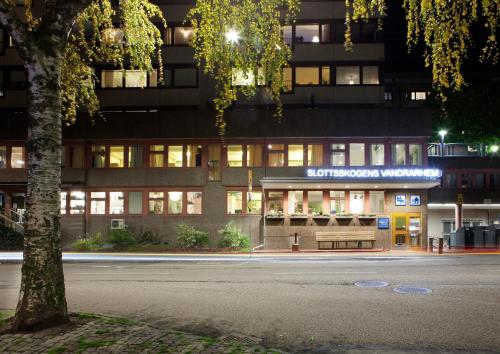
299 304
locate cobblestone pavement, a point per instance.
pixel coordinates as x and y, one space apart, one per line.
100 334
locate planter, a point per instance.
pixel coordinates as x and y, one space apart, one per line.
298 216
275 217
322 217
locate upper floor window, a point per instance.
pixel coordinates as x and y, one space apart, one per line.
361 32
314 155
356 75
235 155
337 154
179 35
156 155
98 156
2 40
295 155
254 155
76 156
117 156
287 34
415 154
388 96
17 80
377 155
17 157
128 78
180 77
276 155
135 155
356 154
312 76
451 180
3 156
112 36
417 95
175 158
194 155
312 33
398 154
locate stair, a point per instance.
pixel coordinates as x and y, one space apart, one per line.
11 224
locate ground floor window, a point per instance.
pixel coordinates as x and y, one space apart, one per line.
98 203
116 203
63 203
315 202
377 202
254 202
234 202
135 202
77 203
175 202
337 202
357 202
194 202
275 204
156 203
295 202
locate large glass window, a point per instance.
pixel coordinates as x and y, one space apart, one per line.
116 203
156 203
307 33
17 157
135 155
295 155
315 202
98 156
194 202
175 202
357 202
276 155
306 76
135 202
182 35
315 155
116 156
3 156
136 78
377 154
98 203
214 154
77 202
111 78
275 203
235 155
288 79
337 154
175 156
254 202
295 202
234 202
348 75
399 154
194 155
356 154
254 155
377 202
337 202
156 155
370 75
63 202
415 152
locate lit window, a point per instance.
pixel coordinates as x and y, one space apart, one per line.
167 38
399 154
254 155
307 33
315 202
357 202
98 203
156 203
306 76
370 75
337 202
254 202
234 202
111 78
136 78
116 156
347 75
377 202
288 79
337 153
63 202
112 36
135 155
418 95
194 202
175 156
295 202
415 151
156 155
135 202
235 155
77 202
182 35
116 203
276 155
175 202
377 155
275 203
214 167
3 156
241 78
315 155
295 155
388 95
325 75
356 154
98 156
194 155
17 157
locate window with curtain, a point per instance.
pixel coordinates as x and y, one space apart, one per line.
276 155
214 154
156 155
315 155
356 154
234 202
415 152
76 156
175 202
156 202
377 154
295 155
98 156
135 202
234 155
194 202
17 157
135 155
399 154
370 75
175 156
254 155
295 202
194 155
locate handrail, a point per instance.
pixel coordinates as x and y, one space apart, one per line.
12 224
19 216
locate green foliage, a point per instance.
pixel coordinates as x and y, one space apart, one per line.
147 237
10 240
5 316
121 238
88 243
256 48
233 237
190 237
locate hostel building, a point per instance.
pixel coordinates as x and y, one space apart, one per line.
347 154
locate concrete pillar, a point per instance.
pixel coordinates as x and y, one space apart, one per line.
458 216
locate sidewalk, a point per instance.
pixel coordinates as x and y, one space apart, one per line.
102 334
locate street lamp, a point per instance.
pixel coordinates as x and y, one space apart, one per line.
442 133
494 149
232 36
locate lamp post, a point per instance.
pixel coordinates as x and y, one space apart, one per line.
442 134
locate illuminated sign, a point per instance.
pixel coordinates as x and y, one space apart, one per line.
429 173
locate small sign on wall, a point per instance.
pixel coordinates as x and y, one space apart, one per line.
400 199
383 223
415 200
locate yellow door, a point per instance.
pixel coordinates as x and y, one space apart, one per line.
406 229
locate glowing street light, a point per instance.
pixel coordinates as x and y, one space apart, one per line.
233 36
442 133
494 149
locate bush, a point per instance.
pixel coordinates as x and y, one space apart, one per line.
10 240
190 237
88 243
147 237
121 238
233 237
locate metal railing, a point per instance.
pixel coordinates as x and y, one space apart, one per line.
455 149
10 223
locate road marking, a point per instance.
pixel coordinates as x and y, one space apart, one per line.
299 273
108 273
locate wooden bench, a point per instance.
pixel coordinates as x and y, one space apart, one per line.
336 237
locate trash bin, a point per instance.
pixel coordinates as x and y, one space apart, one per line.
492 236
453 239
464 237
479 232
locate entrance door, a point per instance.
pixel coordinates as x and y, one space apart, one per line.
406 229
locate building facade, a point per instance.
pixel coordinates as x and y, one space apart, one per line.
350 153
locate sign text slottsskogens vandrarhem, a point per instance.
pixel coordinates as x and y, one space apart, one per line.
430 173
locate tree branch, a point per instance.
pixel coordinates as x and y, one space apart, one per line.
14 26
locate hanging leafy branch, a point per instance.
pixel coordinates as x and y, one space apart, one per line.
361 10
241 38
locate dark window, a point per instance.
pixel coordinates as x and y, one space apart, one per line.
480 180
2 41
465 180
388 95
451 180
180 77
1 84
17 80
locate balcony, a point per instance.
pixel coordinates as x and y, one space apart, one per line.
455 149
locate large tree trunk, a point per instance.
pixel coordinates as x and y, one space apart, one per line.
42 301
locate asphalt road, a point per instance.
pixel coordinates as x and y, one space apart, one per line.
298 304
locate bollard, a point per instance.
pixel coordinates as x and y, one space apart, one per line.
430 244
440 245
295 245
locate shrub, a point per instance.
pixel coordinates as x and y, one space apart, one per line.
233 237
190 237
10 240
88 243
147 237
121 238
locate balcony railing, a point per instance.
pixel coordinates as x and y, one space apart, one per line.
455 149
